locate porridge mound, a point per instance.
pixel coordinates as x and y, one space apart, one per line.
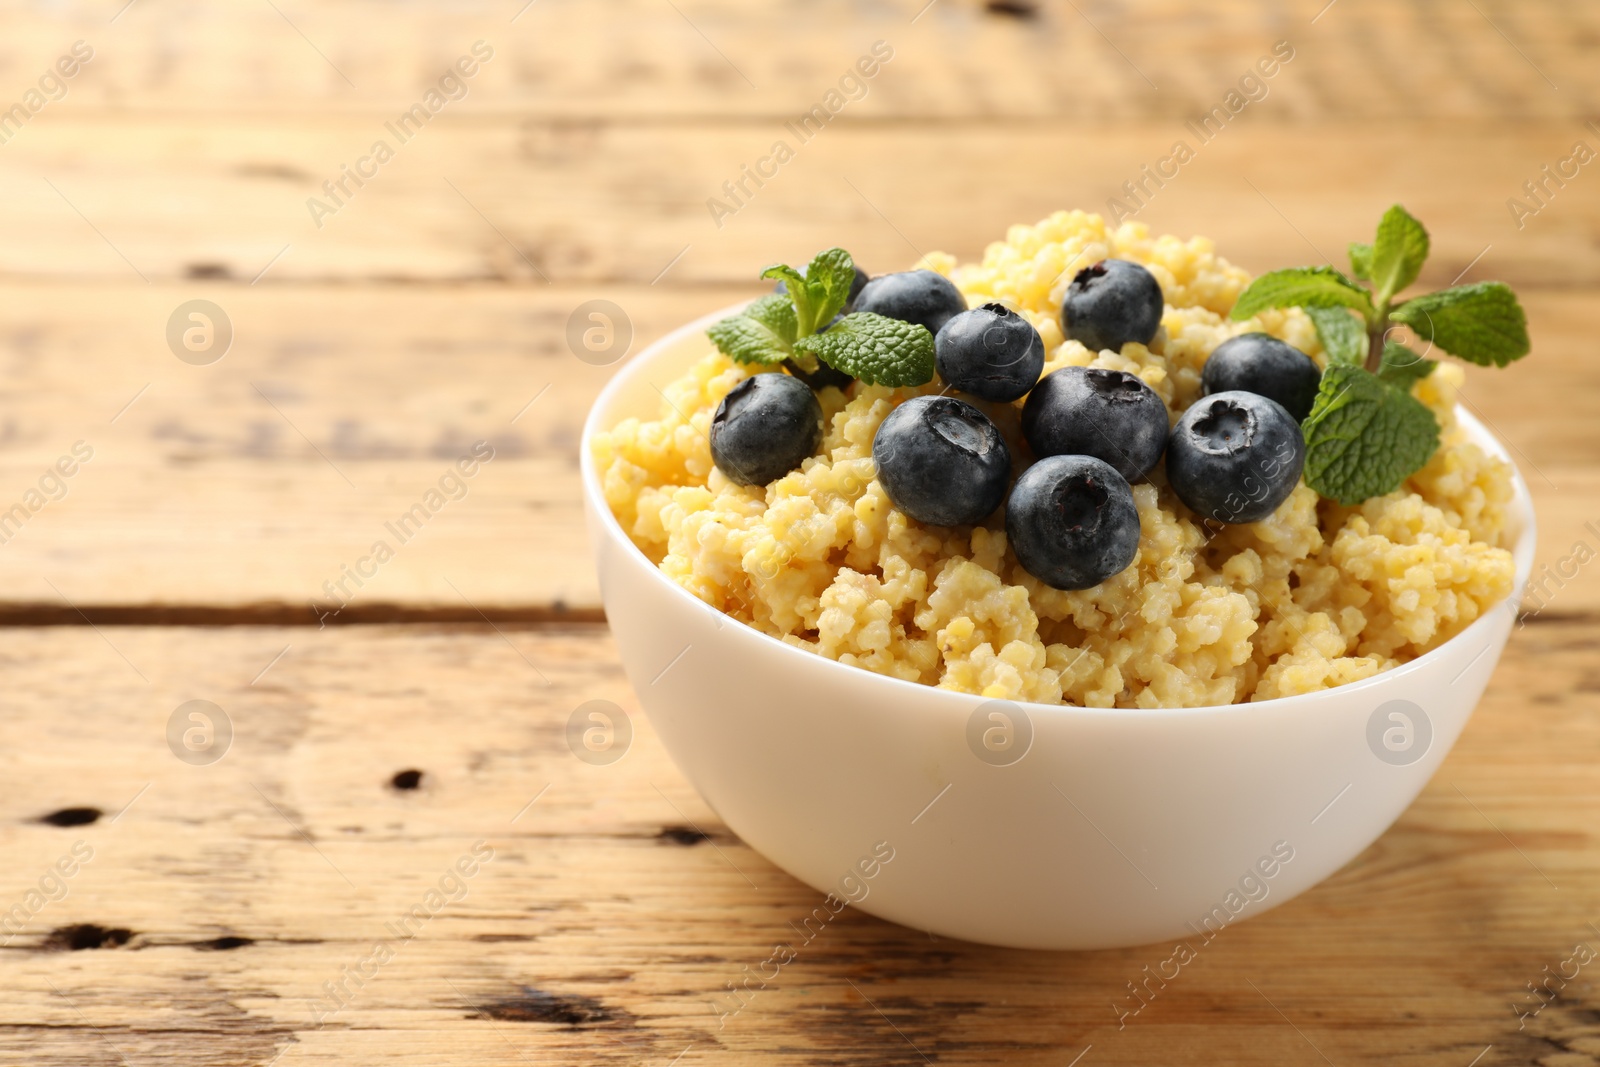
1314 596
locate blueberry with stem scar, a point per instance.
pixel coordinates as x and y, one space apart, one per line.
991 352
1110 304
1087 411
1235 456
1072 522
941 461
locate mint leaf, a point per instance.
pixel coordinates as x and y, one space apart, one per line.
1343 336
1366 433
1305 287
1402 368
1361 260
1482 323
763 333
792 279
794 284
1397 254
819 291
776 313
876 349
828 280
1364 437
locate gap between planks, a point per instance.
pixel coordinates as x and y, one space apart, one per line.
23 615
291 615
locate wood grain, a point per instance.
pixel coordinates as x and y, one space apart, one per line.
430 310
603 926
255 480
1086 60
225 486
482 199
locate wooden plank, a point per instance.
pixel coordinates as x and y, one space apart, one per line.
604 926
223 487
481 198
376 349
1365 59
257 479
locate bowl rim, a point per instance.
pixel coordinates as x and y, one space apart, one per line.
1521 508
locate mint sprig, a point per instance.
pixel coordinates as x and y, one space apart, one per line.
821 291
1403 368
876 349
796 327
1343 335
1345 339
1397 255
1364 437
765 332
1361 260
1367 434
1308 287
1482 323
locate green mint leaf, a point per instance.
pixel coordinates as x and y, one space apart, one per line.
820 291
1364 437
876 349
1361 260
1403 368
1343 336
794 284
828 280
763 333
1482 323
1397 254
791 278
1305 287
776 312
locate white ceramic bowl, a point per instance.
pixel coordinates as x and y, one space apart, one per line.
1117 827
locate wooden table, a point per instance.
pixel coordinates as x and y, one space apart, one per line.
210 906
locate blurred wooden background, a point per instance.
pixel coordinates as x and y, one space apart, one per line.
431 311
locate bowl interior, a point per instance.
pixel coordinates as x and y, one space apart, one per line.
635 391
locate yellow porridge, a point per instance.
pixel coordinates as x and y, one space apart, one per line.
1315 595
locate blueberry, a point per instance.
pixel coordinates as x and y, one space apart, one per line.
1110 304
1235 456
860 280
1108 414
941 461
1072 522
856 285
919 296
764 427
1260 363
991 352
